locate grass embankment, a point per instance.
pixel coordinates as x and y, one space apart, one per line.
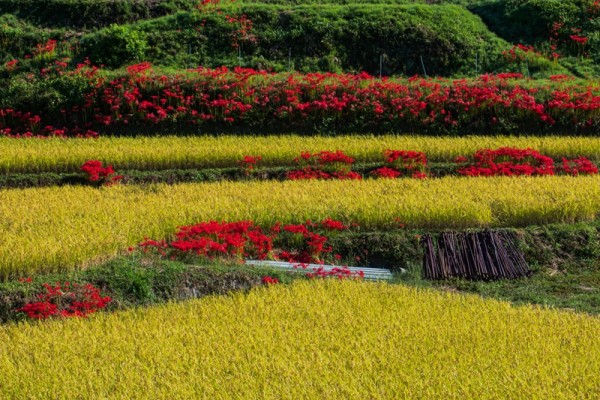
312 339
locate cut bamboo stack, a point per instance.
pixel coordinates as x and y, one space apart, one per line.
483 255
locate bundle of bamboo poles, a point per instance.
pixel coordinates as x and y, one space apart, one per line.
483 255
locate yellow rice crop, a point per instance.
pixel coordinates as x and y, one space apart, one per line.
62 155
314 340
46 229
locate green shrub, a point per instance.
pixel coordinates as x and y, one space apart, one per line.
18 38
116 45
90 14
45 96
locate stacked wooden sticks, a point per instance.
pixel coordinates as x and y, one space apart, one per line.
483 255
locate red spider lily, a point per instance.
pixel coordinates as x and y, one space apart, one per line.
11 65
268 280
95 172
45 49
406 159
510 75
582 40
386 172
407 162
325 158
217 239
324 165
333 225
419 175
66 300
508 161
244 239
560 77
213 98
139 69
519 52
248 163
579 166
243 30
338 272
350 175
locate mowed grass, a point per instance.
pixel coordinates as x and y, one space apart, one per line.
60 228
172 152
312 339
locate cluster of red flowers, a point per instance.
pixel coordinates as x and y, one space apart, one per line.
519 52
510 75
505 161
566 35
47 48
204 3
579 166
315 173
29 125
268 280
581 40
386 172
243 30
66 300
337 272
139 69
244 239
560 77
11 65
248 163
313 247
324 165
217 239
342 272
248 98
508 161
399 162
95 172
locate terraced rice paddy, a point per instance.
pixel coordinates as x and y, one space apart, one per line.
275 147
171 152
50 229
309 340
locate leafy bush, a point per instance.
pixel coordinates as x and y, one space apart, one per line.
90 13
116 46
545 23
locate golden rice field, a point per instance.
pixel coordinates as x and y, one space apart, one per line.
67 155
49 229
312 339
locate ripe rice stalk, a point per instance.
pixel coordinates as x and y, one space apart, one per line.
175 152
60 228
311 339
